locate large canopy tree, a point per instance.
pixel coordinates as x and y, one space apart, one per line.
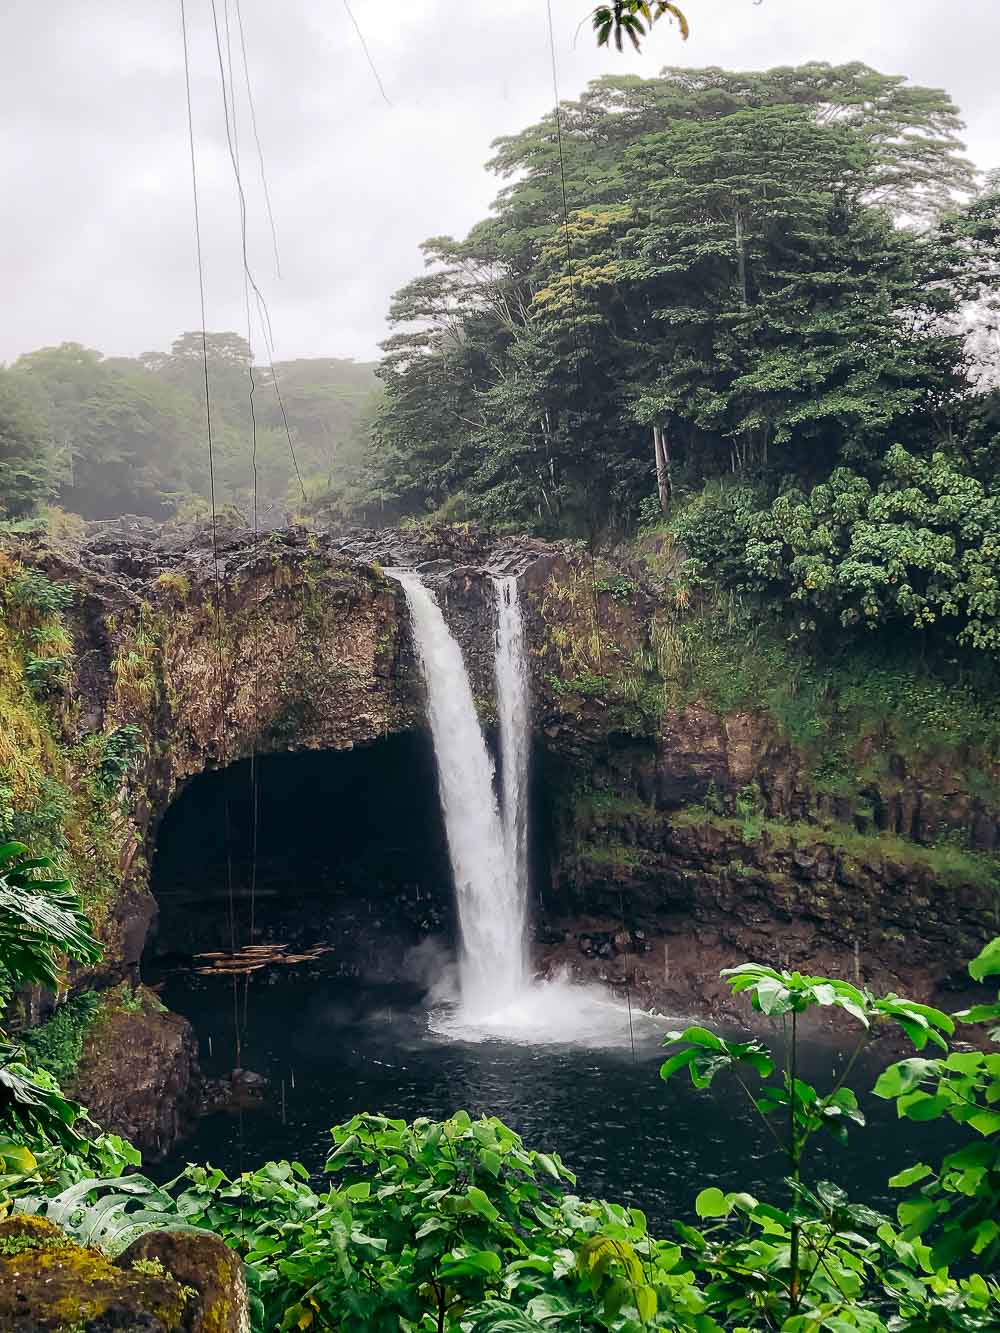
707 270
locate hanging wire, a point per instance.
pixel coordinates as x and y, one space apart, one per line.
238 1050
254 792
217 579
368 54
255 654
258 294
574 329
256 135
264 320
557 111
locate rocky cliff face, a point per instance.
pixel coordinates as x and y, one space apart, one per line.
699 828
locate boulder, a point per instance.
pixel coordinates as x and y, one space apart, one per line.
48 1284
202 1263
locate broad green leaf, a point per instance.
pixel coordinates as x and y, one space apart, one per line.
679 1061
773 997
645 1302
480 1263
902 1077
480 1203
16 1156
548 1165
910 1176
916 1215
697 1036
923 1105
490 1161
985 1122
712 1202
987 962
980 1013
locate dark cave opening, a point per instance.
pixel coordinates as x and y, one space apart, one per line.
351 854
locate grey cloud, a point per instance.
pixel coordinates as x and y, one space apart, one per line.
96 239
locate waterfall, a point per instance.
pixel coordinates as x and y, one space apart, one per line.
514 709
489 895
488 841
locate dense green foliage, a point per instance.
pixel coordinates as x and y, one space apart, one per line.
456 1225
57 1045
26 457
734 298
923 547
107 436
40 922
729 269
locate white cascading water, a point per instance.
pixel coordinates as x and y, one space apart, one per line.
490 901
489 849
514 711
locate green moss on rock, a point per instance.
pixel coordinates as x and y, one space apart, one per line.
61 1285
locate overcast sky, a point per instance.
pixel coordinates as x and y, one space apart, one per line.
96 230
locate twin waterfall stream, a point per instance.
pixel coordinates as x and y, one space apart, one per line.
488 837
488 846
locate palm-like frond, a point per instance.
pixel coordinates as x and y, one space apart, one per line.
109 1212
31 1105
633 19
40 919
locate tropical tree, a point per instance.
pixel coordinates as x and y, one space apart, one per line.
687 274
27 465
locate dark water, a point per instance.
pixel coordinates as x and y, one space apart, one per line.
331 1048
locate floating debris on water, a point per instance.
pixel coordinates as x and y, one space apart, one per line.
254 957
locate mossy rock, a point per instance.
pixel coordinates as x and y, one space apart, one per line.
205 1264
48 1284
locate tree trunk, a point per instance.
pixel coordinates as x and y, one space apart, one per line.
667 463
661 470
663 486
741 258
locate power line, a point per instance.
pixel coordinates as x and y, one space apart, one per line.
368 54
258 294
255 702
557 110
260 151
211 454
265 328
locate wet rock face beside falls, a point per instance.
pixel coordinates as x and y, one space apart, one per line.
139 1075
304 645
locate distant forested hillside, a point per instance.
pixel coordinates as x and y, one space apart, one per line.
103 436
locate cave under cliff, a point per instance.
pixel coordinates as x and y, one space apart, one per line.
341 848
